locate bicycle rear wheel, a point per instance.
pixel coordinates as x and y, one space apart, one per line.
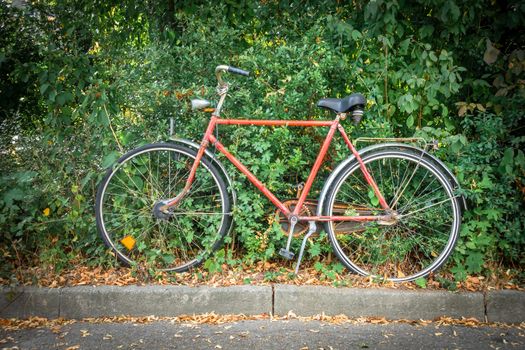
428 213
130 223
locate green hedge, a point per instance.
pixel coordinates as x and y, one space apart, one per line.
83 82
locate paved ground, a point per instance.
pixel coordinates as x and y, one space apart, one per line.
263 334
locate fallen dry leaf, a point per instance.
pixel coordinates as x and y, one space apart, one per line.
212 318
255 274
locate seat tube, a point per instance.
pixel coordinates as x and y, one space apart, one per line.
317 165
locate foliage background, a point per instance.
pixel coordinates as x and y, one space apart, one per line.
83 81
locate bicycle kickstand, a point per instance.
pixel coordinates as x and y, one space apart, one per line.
311 230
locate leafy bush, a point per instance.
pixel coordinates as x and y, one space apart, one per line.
94 79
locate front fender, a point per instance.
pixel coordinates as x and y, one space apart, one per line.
213 159
452 179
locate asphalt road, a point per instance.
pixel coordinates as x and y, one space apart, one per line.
263 334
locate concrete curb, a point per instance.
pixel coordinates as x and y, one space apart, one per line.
78 302
388 303
29 301
505 306
97 301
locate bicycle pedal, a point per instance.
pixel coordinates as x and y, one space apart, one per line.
286 254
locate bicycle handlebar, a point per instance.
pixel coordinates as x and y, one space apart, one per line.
223 68
238 71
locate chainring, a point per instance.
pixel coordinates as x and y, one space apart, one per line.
301 227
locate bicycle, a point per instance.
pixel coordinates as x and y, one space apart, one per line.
390 210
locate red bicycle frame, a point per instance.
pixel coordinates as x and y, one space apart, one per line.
209 137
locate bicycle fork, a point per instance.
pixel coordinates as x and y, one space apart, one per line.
200 153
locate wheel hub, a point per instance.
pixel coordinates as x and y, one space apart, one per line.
161 212
393 218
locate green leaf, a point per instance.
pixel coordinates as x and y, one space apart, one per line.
212 266
64 97
485 183
52 95
444 111
407 103
109 159
403 46
454 11
168 259
410 121
421 282
426 31
474 262
61 99
470 245
338 267
507 161
26 176
314 250
12 195
460 274
520 159
373 199
318 266
493 214
86 178
43 88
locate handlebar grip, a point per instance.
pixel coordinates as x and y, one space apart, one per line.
238 71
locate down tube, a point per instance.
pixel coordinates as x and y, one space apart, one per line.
253 179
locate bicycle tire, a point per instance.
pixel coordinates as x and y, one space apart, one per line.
137 233
409 248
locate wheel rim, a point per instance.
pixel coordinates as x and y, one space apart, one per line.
415 244
128 198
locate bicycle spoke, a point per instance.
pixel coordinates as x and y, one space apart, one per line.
423 228
176 240
428 206
420 199
403 187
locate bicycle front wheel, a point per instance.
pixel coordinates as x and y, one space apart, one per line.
128 215
427 213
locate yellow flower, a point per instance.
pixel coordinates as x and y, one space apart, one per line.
46 212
